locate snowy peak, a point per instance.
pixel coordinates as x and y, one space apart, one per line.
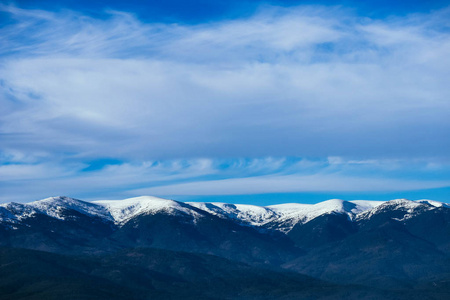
124 210
308 211
15 212
119 211
291 214
247 214
400 204
332 206
282 217
407 208
55 207
433 203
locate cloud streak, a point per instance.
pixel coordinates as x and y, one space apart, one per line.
289 184
27 181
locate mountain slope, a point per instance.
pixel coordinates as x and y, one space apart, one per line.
125 210
399 244
394 245
202 232
153 274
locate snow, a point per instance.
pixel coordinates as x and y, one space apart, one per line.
307 212
16 211
365 205
403 204
6 215
284 217
247 214
293 213
410 208
124 210
434 203
281 217
54 207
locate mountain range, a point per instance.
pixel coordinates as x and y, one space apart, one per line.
150 248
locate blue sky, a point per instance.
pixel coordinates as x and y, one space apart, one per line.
233 101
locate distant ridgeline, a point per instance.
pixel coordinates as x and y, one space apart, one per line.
153 248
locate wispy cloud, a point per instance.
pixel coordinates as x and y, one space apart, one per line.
311 81
28 181
289 184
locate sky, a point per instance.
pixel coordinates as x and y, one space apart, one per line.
231 101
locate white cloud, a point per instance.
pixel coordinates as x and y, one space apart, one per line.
304 82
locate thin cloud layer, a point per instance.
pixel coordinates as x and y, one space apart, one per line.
286 82
289 184
199 177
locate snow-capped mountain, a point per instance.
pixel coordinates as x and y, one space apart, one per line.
15 212
402 239
245 214
124 210
281 217
55 206
291 214
405 207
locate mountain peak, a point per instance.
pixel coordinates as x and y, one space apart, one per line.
124 210
407 208
402 203
247 214
433 203
281 217
54 207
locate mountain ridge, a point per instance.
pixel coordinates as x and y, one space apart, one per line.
394 245
287 215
